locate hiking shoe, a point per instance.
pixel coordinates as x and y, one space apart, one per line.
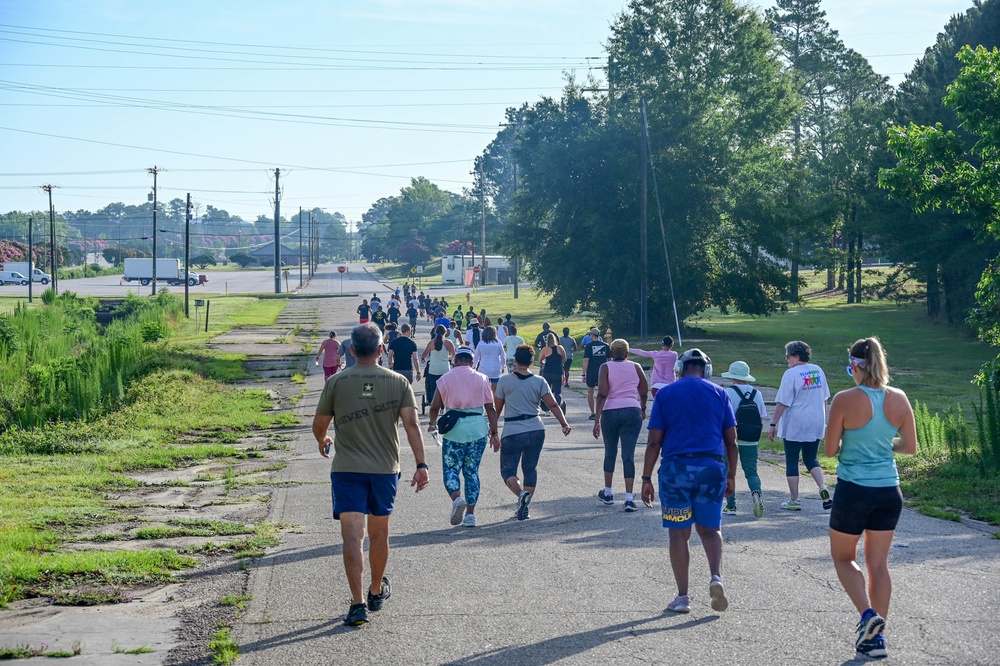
522 505
457 510
375 601
758 505
874 649
791 505
824 494
605 498
729 509
718 594
681 604
591 417
869 626
630 506
357 615
469 520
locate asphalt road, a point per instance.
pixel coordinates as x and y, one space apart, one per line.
584 583
358 280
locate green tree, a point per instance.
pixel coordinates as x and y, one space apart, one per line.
717 100
942 249
940 168
243 259
204 260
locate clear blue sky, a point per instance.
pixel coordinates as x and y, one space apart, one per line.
350 98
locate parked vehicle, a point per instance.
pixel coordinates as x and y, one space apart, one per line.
13 277
26 268
167 270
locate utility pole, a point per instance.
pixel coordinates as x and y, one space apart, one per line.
277 233
643 206
154 170
482 214
301 282
187 256
53 263
31 259
515 260
309 229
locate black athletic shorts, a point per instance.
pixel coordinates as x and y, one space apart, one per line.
858 508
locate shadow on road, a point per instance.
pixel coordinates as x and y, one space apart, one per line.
555 649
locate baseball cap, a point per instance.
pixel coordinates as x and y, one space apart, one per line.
595 331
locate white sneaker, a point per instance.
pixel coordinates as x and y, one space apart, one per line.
758 505
718 594
457 510
791 505
470 520
681 604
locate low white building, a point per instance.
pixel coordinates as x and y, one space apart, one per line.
454 267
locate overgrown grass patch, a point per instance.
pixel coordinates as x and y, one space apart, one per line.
63 477
942 488
265 536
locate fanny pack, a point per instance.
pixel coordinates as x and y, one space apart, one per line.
520 417
449 419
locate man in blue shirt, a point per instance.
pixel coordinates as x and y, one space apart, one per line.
693 425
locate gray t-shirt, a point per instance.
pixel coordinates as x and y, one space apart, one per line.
347 351
521 396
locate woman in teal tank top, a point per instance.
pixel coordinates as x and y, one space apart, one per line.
861 432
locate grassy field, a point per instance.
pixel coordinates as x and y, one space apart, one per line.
63 477
401 272
934 363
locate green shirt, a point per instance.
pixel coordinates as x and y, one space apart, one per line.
365 402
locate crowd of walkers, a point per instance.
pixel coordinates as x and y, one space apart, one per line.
478 370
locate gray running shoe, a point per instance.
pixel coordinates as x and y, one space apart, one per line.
681 604
718 594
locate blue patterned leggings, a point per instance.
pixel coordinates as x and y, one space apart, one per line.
462 458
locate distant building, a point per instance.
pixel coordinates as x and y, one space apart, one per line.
265 255
454 267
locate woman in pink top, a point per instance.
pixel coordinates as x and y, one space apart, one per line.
663 364
331 361
620 411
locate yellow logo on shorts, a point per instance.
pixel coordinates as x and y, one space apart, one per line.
677 515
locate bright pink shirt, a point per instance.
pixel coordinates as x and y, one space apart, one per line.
464 388
663 365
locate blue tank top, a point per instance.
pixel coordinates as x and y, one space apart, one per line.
866 457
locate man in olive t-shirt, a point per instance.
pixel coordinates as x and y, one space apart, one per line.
364 405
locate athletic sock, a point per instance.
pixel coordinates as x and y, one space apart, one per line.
629 497
607 491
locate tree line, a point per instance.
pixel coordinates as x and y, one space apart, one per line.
766 137
119 231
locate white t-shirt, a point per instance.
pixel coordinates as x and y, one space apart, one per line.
734 393
804 393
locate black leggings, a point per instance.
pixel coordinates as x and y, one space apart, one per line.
555 385
430 386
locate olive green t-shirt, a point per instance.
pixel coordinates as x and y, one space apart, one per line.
364 402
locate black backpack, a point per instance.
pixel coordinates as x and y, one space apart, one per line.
748 422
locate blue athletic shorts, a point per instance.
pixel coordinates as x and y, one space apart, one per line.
372 494
692 490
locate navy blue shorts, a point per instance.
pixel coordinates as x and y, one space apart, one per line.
692 490
372 494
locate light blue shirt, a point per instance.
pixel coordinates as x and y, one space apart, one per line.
866 456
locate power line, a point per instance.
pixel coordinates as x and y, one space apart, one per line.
212 157
278 47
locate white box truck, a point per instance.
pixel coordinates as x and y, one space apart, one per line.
167 270
26 269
